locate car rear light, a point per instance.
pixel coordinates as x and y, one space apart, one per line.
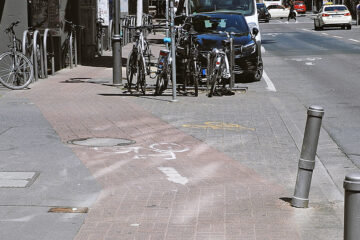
347 14
325 15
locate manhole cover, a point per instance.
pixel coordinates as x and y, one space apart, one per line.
102 142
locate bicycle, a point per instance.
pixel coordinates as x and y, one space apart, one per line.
138 61
100 33
218 67
16 70
69 48
193 67
163 69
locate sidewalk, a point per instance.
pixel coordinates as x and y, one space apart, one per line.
201 168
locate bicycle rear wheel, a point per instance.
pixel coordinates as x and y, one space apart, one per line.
131 69
141 82
16 70
161 83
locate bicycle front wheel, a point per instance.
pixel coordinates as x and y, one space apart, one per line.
16 70
131 69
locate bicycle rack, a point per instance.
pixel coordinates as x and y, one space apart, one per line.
36 41
71 50
47 33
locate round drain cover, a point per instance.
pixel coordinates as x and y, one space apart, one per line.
102 142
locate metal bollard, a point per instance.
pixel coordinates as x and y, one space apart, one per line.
307 157
351 208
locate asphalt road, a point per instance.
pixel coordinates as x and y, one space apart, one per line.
319 67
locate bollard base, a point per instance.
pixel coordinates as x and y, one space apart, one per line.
299 202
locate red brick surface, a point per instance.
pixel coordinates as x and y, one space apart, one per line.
222 199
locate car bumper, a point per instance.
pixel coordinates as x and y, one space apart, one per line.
336 21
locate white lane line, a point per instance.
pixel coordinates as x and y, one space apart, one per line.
270 85
308 30
354 40
337 37
173 175
324 34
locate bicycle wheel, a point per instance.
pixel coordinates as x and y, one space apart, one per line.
196 78
161 83
16 70
141 82
214 77
131 69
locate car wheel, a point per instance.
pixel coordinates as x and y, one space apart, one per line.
316 28
256 75
266 21
349 27
342 27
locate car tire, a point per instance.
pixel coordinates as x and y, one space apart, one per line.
315 27
257 75
343 27
349 27
266 21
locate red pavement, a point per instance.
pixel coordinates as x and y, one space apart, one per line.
144 190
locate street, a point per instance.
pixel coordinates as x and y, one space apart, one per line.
319 67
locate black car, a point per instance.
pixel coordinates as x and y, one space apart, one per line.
263 13
210 31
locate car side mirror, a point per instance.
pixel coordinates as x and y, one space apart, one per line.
255 31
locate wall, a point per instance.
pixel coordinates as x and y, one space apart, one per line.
12 10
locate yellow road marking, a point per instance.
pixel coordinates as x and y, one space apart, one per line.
218 126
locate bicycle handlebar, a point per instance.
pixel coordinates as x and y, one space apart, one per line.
11 27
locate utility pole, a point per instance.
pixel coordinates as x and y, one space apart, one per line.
139 13
117 58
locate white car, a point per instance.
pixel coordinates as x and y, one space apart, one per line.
333 16
279 11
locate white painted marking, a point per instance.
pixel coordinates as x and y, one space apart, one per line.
308 30
309 63
270 85
337 37
134 225
263 49
173 175
324 33
354 40
166 151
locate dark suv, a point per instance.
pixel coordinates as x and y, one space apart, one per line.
212 28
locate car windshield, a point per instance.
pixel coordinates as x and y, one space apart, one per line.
246 7
335 8
215 23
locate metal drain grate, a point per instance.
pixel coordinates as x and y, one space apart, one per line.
69 210
102 142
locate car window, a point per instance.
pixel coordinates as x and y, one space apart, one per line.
335 8
280 7
216 23
272 7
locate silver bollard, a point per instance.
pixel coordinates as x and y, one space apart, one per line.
351 208
307 157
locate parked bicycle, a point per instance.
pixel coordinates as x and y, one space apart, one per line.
218 67
138 61
193 66
163 69
100 34
69 48
16 70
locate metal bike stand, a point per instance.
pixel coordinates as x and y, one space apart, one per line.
47 33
